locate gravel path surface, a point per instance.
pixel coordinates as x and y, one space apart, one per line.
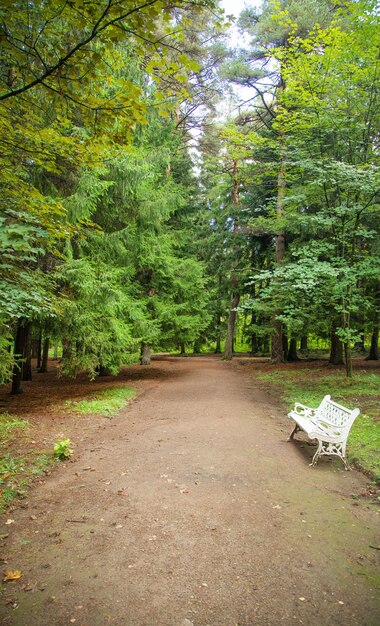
192 509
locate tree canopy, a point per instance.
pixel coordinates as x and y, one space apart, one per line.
136 215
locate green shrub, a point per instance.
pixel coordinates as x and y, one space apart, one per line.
62 450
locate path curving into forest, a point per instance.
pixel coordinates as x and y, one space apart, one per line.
191 509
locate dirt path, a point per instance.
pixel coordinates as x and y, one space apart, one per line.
190 509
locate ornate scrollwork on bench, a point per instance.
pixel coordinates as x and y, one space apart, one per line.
329 424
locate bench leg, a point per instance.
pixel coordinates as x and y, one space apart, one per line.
295 429
343 457
316 455
331 449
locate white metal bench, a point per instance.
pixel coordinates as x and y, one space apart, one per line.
330 424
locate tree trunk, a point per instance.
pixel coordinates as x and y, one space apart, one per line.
254 341
27 356
336 352
145 354
230 338
67 349
292 352
18 355
39 350
45 355
285 345
281 185
303 346
277 354
218 338
374 349
182 348
254 344
348 359
218 348
228 351
35 348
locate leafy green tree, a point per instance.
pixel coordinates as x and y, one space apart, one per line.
260 70
330 129
62 112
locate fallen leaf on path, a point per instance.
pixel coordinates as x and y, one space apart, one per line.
185 490
12 575
276 507
9 521
33 517
302 599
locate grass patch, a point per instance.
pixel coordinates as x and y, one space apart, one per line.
8 426
106 402
16 469
16 473
310 385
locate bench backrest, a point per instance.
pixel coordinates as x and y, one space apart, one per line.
336 414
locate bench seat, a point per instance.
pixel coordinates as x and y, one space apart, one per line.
329 424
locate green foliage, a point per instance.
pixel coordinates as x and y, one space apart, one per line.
73 100
9 424
62 450
365 444
10 484
6 356
318 133
95 317
110 238
16 469
107 402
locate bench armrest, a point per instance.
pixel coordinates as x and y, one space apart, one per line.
305 411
